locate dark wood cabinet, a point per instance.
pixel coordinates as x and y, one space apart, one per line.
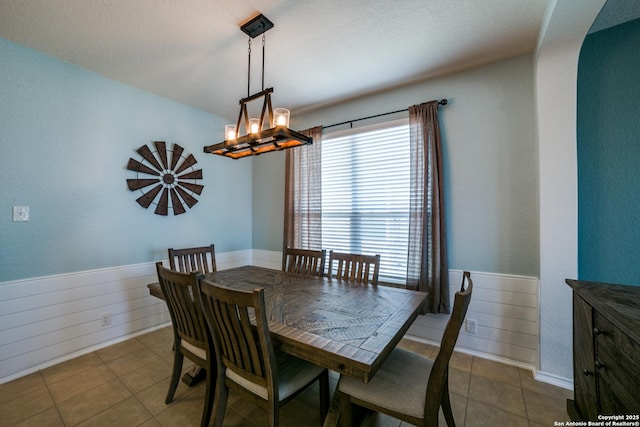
606 350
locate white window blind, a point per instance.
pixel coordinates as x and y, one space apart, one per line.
365 194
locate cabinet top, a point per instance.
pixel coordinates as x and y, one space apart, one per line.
618 303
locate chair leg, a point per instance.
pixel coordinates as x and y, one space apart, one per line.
175 375
346 409
208 399
274 413
324 395
446 405
220 402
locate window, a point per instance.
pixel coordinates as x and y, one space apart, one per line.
365 194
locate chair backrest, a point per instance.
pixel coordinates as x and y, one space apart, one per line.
355 268
187 318
438 379
304 261
202 259
244 350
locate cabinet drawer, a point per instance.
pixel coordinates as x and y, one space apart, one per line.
586 400
619 368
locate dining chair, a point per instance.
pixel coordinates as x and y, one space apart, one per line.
304 261
246 359
355 268
190 332
408 386
186 260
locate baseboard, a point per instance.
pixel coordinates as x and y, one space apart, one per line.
552 379
506 361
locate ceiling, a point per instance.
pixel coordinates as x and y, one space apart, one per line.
319 52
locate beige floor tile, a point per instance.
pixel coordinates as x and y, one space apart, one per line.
426 350
480 415
159 336
545 409
119 350
48 418
92 402
22 386
132 361
80 383
153 397
186 411
497 394
71 367
129 412
25 407
142 378
459 381
497 371
460 361
163 350
152 422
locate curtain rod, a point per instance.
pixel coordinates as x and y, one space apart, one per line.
440 102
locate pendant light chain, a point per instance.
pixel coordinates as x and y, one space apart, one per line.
249 65
249 71
263 45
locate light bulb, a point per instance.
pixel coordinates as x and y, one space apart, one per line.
281 117
230 132
254 125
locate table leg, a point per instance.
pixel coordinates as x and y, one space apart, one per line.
194 376
333 416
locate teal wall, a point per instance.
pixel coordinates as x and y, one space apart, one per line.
490 155
66 135
609 156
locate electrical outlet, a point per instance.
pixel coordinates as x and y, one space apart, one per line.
105 319
471 326
20 213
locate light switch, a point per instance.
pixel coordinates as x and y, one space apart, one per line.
20 213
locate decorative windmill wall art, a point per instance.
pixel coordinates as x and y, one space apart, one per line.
166 178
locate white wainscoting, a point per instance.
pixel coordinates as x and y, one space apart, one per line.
506 310
46 320
267 259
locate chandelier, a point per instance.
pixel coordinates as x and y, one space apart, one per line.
268 132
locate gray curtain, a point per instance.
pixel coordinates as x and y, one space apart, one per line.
427 268
303 194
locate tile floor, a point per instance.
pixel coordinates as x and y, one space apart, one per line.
125 385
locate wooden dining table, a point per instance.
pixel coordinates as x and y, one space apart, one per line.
346 327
